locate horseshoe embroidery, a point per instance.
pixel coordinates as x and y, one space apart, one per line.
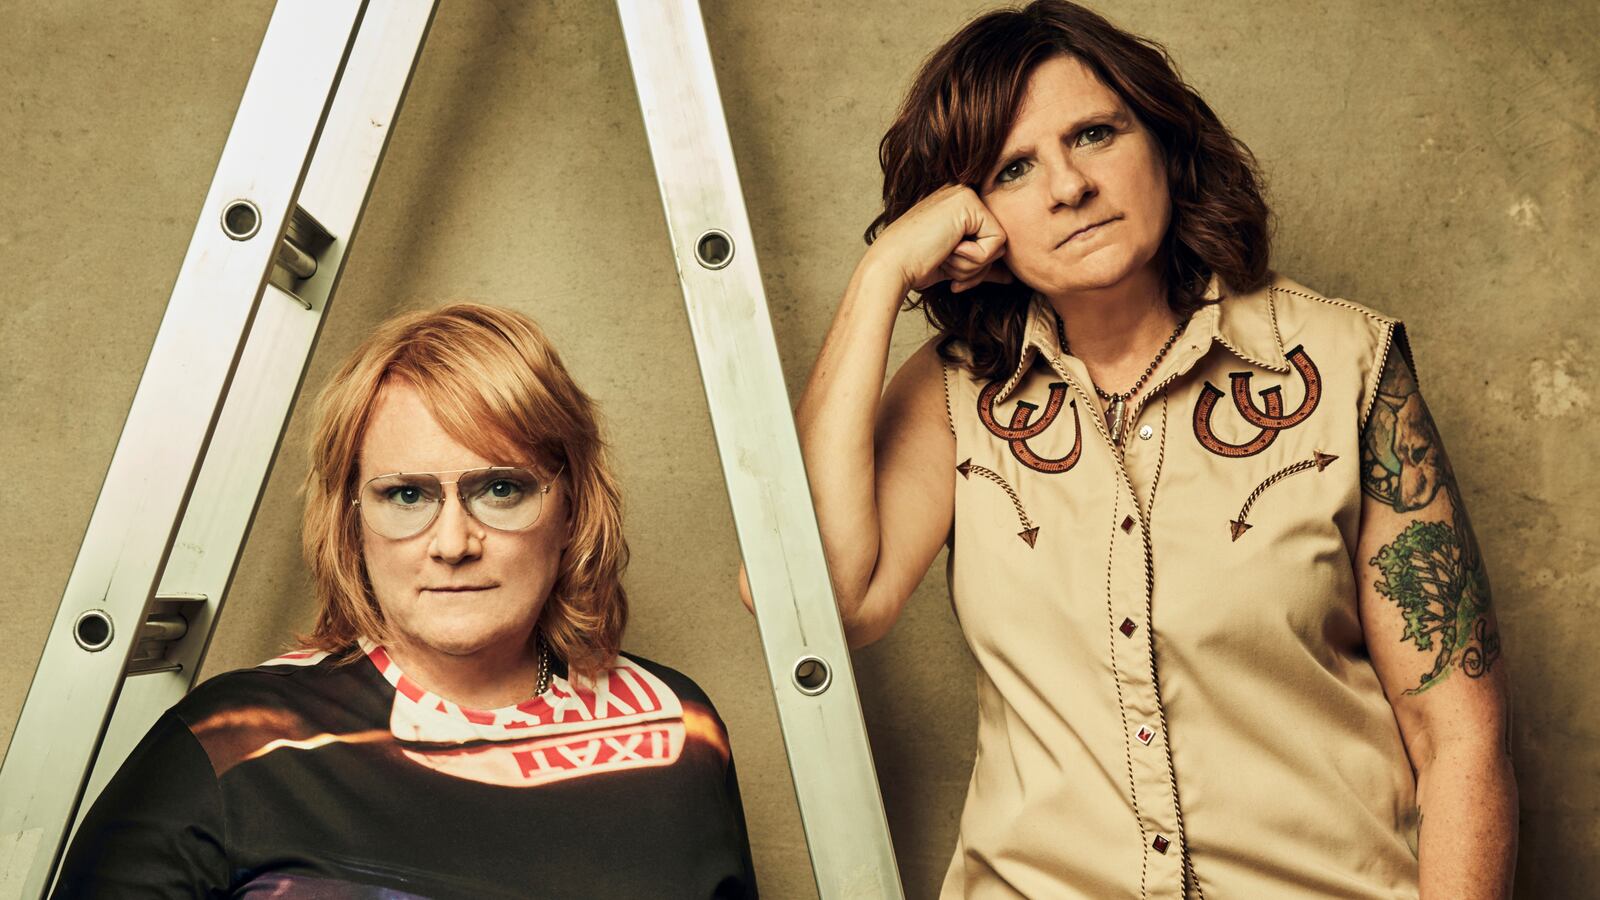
1309 376
1271 421
1018 433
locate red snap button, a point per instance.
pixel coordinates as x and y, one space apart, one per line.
1127 628
1161 844
1127 524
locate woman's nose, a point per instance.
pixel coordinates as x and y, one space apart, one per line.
1069 186
456 535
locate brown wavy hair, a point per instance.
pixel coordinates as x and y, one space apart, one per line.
496 385
953 124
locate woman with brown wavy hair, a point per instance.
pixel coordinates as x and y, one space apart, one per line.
1232 628
460 723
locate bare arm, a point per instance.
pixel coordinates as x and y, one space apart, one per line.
880 466
882 528
1424 597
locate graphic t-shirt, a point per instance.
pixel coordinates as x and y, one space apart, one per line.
306 778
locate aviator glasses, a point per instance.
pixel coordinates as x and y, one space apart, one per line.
404 504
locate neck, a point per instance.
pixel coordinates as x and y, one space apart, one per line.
1117 331
1117 326
487 679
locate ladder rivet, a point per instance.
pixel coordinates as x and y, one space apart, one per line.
93 630
714 250
812 675
241 219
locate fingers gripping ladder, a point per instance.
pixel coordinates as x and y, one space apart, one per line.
165 535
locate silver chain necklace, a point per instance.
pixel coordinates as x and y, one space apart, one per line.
1119 402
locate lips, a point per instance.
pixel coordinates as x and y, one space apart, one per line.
1088 229
459 590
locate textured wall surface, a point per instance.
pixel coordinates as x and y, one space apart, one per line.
1433 160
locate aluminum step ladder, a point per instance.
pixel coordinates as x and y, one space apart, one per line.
189 469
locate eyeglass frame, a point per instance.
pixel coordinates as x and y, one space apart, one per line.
438 505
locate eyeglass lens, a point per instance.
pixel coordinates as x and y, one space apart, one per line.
503 498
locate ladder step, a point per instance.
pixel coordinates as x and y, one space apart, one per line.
165 626
305 241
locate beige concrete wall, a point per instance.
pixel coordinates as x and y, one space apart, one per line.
1433 160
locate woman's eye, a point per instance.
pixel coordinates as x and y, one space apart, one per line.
1095 134
404 496
501 492
1012 171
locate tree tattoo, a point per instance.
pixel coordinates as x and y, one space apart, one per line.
1444 597
1433 570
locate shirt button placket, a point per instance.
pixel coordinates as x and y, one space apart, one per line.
1128 626
1154 794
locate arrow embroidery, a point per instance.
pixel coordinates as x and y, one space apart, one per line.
1318 459
1030 531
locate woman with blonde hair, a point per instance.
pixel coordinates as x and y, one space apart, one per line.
1232 630
460 722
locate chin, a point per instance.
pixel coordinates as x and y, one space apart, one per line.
469 638
1076 282
458 645
1104 268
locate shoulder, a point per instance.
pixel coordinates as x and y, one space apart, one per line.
680 684
261 697
236 714
1285 314
944 362
287 673
1350 335
1298 308
935 360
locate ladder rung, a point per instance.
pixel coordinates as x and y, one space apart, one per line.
304 243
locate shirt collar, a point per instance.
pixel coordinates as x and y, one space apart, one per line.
1246 324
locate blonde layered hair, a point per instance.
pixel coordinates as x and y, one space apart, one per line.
495 384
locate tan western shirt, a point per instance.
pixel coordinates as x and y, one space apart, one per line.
1172 672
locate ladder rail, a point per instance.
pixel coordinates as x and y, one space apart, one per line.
808 660
272 368
171 421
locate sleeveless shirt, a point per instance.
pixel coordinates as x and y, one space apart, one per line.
1173 690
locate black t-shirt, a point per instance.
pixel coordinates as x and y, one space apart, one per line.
305 778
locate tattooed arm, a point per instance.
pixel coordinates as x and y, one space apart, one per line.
1425 611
